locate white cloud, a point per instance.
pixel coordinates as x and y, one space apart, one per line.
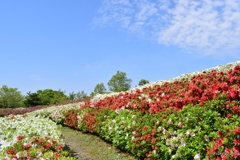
206 26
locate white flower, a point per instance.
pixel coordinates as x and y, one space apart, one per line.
187 133
17 155
183 143
206 139
164 130
197 156
154 151
114 121
169 151
193 134
170 121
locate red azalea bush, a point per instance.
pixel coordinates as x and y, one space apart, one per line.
177 94
189 118
71 118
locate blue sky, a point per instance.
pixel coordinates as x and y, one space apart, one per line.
74 45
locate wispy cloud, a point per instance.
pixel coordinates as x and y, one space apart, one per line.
206 26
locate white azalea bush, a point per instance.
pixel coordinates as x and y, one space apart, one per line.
24 136
56 113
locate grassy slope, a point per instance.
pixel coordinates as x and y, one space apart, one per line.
90 147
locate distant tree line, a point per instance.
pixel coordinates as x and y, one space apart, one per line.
12 98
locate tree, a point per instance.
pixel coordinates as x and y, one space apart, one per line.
81 95
32 99
10 97
72 96
119 82
99 89
143 82
58 97
45 97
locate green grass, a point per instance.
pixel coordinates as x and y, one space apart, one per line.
90 147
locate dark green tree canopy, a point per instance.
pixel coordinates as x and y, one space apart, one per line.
10 97
32 99
72 96
81 95
143 82
119 82
100 88
45 97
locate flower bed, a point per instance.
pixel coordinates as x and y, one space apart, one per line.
28 137
194 116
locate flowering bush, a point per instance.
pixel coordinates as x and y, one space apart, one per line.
177 94
30 137
194 116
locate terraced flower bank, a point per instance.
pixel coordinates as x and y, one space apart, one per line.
194 116
28 137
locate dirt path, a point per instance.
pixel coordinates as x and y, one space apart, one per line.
90 147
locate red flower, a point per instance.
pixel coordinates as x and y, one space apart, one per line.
11 151
57 155
236 130
180 125
236 152
229 115
39 141
220 133
144 128
236 68
223 157
227 150
235 109
20 138
236 142
227 106
60 147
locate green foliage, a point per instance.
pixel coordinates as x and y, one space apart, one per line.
45 97
72 96
10 97
81 95
32 99
143 82
99 89
119 82
58 97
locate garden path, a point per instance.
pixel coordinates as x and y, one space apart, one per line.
90 147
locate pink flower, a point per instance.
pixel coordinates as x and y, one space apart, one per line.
223 157
227 151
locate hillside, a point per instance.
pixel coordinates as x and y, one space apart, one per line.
193 116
